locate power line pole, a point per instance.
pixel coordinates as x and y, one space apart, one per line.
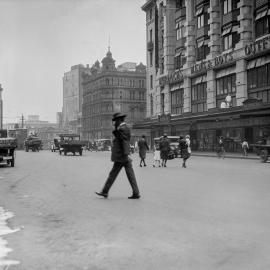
22 119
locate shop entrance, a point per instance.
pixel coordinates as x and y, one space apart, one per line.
249 134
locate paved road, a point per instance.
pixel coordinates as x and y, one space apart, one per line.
212 215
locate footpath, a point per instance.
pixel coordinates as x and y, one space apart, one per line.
227 155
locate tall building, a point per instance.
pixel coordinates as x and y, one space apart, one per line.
109 90
72 98
1 108
59 119
208 70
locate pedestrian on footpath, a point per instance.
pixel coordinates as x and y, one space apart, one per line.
164 147
245 147
221 149
143 147
156 161
120 157
184 146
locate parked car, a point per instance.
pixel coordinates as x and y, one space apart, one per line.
70 143
174 142
7 150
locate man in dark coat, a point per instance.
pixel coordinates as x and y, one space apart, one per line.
164 147
120 157
143 147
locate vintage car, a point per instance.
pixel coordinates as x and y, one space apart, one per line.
70 143
33 143
174 142
262 148
103 144
7 151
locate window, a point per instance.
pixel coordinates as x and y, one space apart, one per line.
150 14
151 35
202 50
151 58
202 16
226 86
180 4
198 97
162 38
151 81
180 28
179 60
227 6
230 37
162 65
177 101
262 26
151 105
162 102
259 77
200 20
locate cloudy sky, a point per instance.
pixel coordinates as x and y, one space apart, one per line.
42 39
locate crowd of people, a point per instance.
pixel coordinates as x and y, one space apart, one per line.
162 150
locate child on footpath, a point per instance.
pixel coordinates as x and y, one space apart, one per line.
156 155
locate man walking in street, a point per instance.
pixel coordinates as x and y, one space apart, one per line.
120 157
164 147
143 147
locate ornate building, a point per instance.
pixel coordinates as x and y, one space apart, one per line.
208 70
108 90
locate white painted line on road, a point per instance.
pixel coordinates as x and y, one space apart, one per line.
4 229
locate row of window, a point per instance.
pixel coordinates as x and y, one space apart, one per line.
126 95
258 77
226 85
125 82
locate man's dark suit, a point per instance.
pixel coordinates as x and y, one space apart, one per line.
120 157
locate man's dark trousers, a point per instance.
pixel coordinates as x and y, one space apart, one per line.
117 166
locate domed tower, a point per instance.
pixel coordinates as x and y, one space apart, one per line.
108 63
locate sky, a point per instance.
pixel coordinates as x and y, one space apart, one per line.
42 39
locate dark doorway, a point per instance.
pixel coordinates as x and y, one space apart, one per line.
249 134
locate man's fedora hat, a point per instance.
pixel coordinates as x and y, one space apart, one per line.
118 115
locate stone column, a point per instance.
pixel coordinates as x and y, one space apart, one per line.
211 89
241 81
190 27
245 18
187 95
214 32
169 37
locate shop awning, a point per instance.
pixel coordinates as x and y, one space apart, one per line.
258 62
261 14
235 28
199 11
199 79
226 31
225 72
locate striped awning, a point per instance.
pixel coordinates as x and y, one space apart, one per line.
261 14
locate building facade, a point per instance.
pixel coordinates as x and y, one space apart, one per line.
72 98
208 70
108 90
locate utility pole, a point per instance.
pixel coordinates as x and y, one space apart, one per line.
22 119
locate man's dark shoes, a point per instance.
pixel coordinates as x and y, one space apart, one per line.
105 195
134 197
